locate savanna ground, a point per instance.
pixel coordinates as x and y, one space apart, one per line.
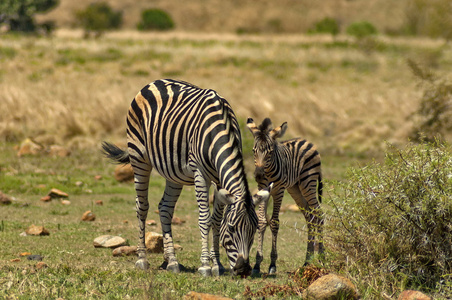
349 97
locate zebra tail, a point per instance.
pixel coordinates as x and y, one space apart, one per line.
116 154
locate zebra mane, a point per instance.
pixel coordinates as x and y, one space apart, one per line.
266 125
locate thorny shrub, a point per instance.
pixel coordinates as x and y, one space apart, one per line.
392 222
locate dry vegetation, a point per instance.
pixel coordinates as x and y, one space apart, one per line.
341 94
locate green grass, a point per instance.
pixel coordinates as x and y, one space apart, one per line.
77 270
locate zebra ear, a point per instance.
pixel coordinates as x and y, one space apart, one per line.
251 126
263 195
278 131
223 195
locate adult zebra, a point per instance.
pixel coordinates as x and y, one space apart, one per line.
293 165
190 136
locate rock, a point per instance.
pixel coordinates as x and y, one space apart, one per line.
125 251
178 247
65 202
56 150
35 257
46 198
201 296
331 286
151 222
29 147
88 216
98 177
79 183
36 230
15 260
413 295
177 221
4 200
41 265
25 254
124 173
154 242
56 193
109 241
99 202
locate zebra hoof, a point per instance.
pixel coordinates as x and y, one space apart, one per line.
218 270
205 271
272 270
142 264
256 271
173 267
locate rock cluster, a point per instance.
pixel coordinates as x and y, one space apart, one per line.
31 147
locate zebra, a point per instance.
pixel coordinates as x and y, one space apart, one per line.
190 136
293 165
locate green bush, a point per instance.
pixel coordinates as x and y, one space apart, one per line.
98 17
433 118
155 19
361 29
392 222
326 25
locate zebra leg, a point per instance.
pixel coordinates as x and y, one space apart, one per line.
302 204
274 227
217 268
166 210
262 225
204 222
141 178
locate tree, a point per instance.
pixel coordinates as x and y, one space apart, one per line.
98 17
19 14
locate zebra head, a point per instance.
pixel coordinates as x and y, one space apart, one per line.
264 145
238 226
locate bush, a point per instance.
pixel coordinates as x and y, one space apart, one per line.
361 29
326 25
98 17
155 19
433 118
392 225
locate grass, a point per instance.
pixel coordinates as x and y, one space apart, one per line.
77 270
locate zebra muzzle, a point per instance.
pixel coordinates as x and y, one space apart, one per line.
259 174
242 267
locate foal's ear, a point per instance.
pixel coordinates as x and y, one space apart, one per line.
278 131
223 195
262 195
251 126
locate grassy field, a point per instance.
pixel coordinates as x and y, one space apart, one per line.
348 97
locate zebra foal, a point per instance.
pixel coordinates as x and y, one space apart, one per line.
190 136
293 165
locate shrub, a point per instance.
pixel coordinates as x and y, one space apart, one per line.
155 19
361 29
98 17
392 225
326 25
433 118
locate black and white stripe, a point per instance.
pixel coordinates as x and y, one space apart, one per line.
190 136
293 165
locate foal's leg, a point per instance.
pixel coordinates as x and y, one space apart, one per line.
274 227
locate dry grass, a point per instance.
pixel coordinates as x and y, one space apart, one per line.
344 96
